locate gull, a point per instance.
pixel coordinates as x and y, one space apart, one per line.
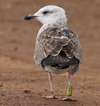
57 48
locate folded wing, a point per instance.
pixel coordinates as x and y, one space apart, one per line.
62 48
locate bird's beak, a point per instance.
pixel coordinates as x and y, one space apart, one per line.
30 16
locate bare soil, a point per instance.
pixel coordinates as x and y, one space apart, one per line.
22 83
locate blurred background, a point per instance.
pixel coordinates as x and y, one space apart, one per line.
17 36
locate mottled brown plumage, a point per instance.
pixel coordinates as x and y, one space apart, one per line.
54 39
57 48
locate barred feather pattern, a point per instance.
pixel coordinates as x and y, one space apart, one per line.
52 39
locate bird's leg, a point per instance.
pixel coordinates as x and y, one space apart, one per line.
69 90
52 92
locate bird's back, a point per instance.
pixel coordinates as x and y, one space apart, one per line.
59 48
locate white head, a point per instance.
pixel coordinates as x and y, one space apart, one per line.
49 14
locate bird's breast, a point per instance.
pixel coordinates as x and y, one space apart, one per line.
39 53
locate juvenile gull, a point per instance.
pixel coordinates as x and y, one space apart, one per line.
57 48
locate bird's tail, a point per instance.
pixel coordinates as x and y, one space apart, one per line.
73 69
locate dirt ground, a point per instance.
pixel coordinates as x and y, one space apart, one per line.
22 83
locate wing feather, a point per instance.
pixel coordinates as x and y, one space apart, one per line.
65 41
58 47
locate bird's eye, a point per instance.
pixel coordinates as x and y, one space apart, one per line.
45 12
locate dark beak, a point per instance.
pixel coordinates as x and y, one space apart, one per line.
30 16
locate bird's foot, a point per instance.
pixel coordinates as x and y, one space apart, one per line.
51 97
67 99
